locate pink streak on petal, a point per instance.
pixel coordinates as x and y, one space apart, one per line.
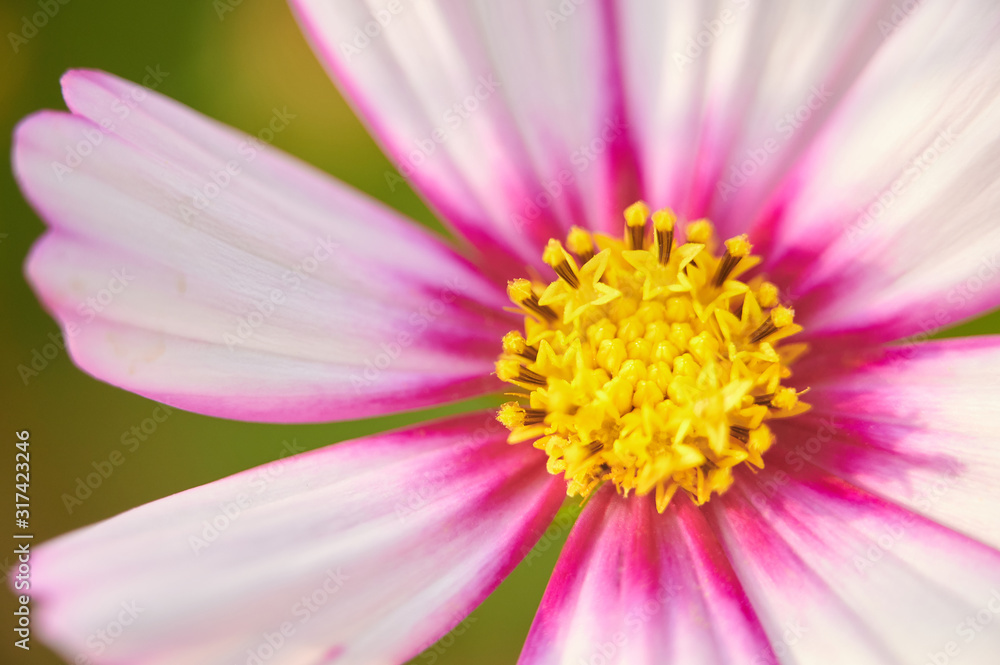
918 427
520 169
223 312
636 587
883 230
862 580
418 526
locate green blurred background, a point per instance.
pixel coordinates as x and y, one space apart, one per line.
235 68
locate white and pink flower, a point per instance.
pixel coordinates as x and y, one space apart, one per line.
857 144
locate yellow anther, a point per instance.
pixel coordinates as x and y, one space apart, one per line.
519 290
700 231
580 243
635 225
736 249
664 220
514 343
652 368
782 316
560 260
767 295
522 293
785 398
739 246
511 415
636 214
663 226
779 318
508 370
554 253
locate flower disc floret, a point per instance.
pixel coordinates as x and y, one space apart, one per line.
647 363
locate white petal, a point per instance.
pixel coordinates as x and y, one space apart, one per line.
919 427
887 227
838 575
723 97
196 266
634 587
364 552
507 117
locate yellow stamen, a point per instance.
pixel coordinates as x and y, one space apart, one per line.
654 369
663 225
521 292
580 243
635 224
561 262
736 249
767 295
700 231
514 344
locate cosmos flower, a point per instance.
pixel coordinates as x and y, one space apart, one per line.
732 378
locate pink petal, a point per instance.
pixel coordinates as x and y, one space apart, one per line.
275 295
635 587
544 144
887 226
839 575
363 552
918 427
723 98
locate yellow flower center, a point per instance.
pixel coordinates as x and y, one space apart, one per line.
649 364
